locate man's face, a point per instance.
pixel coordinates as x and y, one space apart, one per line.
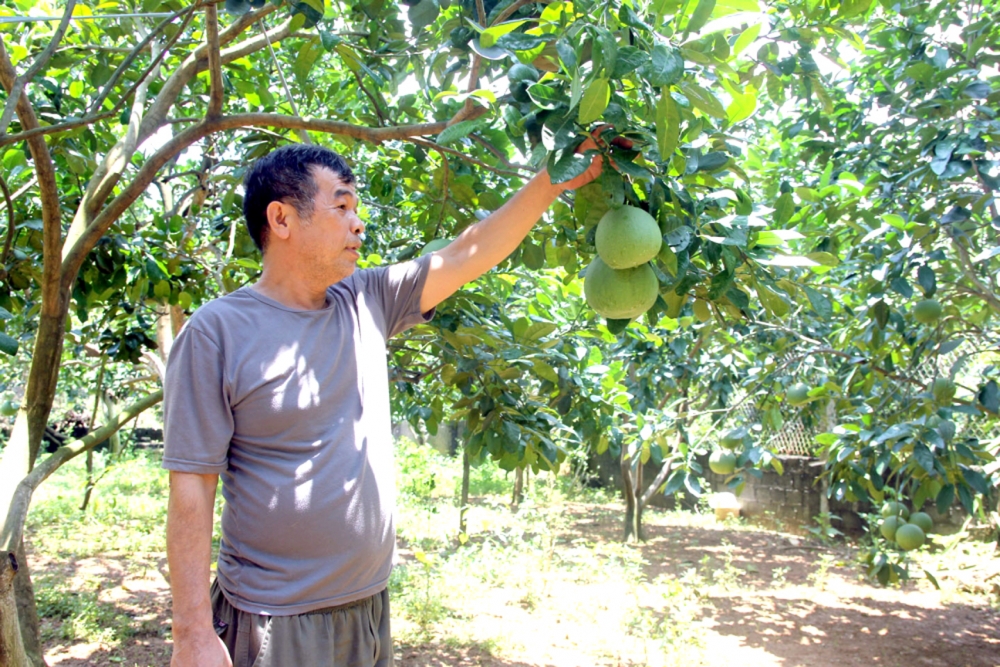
329 240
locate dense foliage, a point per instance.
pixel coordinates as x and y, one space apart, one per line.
817 168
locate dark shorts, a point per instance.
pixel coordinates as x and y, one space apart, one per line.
352 635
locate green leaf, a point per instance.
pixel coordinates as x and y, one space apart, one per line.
520 41
630 59
772 301
924 457
819 302
703 99
775 237
702 12
568 165
665 67
533 256
784 208
423 14
8 344
976 480
5 314
544 96
927 280
490 36
989 396
743 105
945 498
306 58
745 39
626 166
457 131
595 101
667 125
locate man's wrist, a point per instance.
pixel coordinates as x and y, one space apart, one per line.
554 189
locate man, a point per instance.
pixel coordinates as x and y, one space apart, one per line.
281 387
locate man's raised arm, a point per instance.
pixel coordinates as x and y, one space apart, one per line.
487 243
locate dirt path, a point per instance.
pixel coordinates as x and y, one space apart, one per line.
709 595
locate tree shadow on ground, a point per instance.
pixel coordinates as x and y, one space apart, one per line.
861 631
434 653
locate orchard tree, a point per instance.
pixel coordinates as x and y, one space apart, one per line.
812 199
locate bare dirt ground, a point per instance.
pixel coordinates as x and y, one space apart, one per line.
761 598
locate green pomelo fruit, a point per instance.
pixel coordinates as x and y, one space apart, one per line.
627 237
732 439
927 311
923 520
434 245
620 295
943 390
722 462
947 429
909 536
8 408
892 508
521 72
798 394
890 526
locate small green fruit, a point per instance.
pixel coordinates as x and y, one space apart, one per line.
923 520
521 72
627 237
722 462
892 508
890 526
732 439
943 390
927 311
8 408
909 536
797 394
947 429
620 295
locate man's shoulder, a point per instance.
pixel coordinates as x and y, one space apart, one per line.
222 313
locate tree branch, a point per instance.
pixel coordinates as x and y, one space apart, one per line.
507 13
86 241
10 226
965 264
216 96
14 93
139 48
48 191
445 149
197 62
14 524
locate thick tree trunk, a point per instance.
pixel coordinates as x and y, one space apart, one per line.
518 494
466 471
11 647
15 499
27 612
633 510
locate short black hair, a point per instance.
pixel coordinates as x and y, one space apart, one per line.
286 175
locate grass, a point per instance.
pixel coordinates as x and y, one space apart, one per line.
551 580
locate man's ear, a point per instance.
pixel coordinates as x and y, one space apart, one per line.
277 219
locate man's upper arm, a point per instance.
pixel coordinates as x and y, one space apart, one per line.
197 415
398 289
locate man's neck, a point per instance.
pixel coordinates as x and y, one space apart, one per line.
290 290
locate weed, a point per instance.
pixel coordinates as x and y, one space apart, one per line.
79 614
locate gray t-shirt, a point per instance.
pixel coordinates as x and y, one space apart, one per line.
291 408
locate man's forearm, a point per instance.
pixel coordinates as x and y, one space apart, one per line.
190 516
487 243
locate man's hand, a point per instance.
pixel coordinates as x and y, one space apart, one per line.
204 649
593 143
